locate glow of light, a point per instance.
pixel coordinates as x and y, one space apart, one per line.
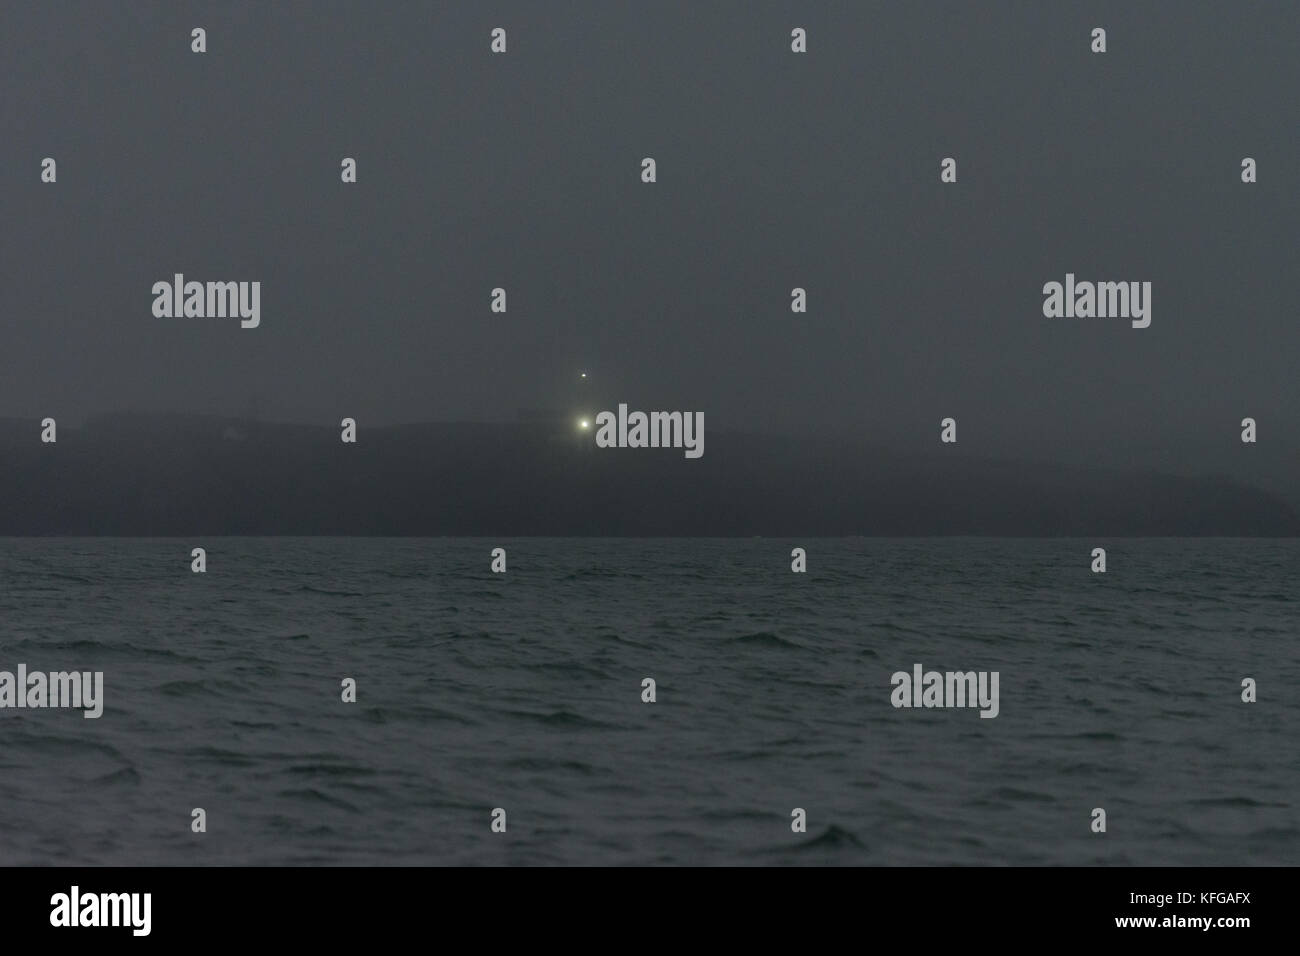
584 424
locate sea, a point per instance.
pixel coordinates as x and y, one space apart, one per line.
502 718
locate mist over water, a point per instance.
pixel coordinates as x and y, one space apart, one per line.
523 691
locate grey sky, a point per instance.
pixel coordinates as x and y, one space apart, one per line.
775 170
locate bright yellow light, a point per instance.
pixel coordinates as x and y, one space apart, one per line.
584 424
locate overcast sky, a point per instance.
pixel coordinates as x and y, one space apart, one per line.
775 170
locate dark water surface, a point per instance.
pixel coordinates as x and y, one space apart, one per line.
523 691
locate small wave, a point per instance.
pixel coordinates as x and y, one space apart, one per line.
764 639
183 688
99 648
333 593
332 770
1023 796
440 713
835 837
1274 833
126 775
48 745
1234 802
1152 688
312 795
542 765
230 758
584 574
557 718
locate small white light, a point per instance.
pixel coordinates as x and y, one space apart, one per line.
583 424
